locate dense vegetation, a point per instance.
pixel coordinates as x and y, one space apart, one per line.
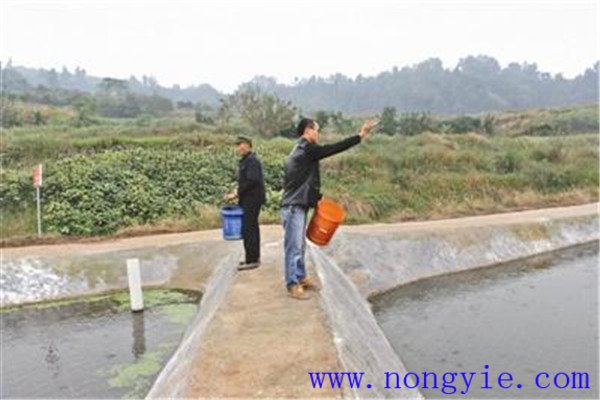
157 173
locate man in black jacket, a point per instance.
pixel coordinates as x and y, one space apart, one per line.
302 190
251 197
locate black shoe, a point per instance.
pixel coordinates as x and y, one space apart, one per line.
246 266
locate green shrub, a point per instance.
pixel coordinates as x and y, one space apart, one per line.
16 190
509 162
462 124
100 193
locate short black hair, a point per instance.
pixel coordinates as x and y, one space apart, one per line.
243 139
303 124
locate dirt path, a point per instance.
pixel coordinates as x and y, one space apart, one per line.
483 220
274 230
261 343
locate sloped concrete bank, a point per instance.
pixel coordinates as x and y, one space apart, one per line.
380 258
172 381
363 261
361 344
54 272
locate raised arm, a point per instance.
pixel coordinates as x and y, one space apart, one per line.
318 152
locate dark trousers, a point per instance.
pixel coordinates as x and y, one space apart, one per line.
251 231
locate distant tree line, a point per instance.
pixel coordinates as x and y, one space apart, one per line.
477 84
112 99
17 79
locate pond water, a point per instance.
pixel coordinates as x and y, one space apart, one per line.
529 317
91 347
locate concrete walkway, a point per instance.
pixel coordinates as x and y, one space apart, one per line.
261 343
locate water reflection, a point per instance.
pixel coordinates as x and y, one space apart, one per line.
52 358
139 337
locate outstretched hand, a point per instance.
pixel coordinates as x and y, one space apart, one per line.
367 127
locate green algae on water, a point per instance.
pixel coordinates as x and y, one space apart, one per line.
119 300
155 298
138 376
179 313
126 374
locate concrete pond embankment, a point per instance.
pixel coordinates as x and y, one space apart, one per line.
249 340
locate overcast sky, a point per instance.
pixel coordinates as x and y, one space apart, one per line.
225 43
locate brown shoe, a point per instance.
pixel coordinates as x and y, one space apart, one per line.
297 292
310 284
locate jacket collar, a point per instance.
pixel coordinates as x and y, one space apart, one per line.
245 156
303 141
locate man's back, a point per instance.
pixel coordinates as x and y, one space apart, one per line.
302 183
302 179
251 180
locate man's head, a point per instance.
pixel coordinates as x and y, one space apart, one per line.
308 129
244 145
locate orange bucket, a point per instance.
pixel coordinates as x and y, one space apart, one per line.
327 217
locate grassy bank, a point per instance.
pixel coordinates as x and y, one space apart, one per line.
436 176
169 175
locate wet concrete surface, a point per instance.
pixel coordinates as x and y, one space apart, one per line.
46 276
536 315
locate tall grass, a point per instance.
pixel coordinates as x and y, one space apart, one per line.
434 175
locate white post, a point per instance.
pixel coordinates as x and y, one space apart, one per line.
135 284
37 184
39 212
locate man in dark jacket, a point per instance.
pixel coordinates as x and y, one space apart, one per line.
251 197
302 190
